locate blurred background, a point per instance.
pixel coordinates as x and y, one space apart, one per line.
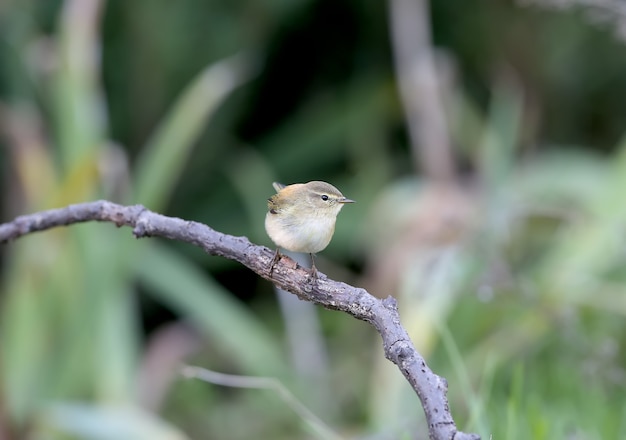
483 142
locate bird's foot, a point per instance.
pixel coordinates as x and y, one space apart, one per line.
276 259
314 272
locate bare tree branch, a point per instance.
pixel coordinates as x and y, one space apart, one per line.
382 314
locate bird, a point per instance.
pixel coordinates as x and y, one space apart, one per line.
301 217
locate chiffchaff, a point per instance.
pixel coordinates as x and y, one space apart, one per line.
301 217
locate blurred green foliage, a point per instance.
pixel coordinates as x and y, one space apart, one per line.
511 283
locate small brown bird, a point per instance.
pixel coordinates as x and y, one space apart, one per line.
301 217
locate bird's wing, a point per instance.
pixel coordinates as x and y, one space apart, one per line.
278 186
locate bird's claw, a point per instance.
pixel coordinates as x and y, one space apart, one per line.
275 260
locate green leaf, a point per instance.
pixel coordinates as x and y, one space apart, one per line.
163 158
105 423
176 282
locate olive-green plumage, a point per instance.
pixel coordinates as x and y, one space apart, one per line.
301 217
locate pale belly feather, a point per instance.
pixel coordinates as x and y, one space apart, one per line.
311 235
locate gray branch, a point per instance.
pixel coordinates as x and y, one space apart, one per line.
382 314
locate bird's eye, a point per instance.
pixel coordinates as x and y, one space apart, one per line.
324 197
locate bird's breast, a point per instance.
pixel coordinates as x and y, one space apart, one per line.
310 235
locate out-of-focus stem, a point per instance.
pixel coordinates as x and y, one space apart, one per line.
419 88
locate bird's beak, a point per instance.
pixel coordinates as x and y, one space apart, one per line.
344 200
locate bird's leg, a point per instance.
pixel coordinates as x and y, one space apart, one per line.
313 268
275 260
